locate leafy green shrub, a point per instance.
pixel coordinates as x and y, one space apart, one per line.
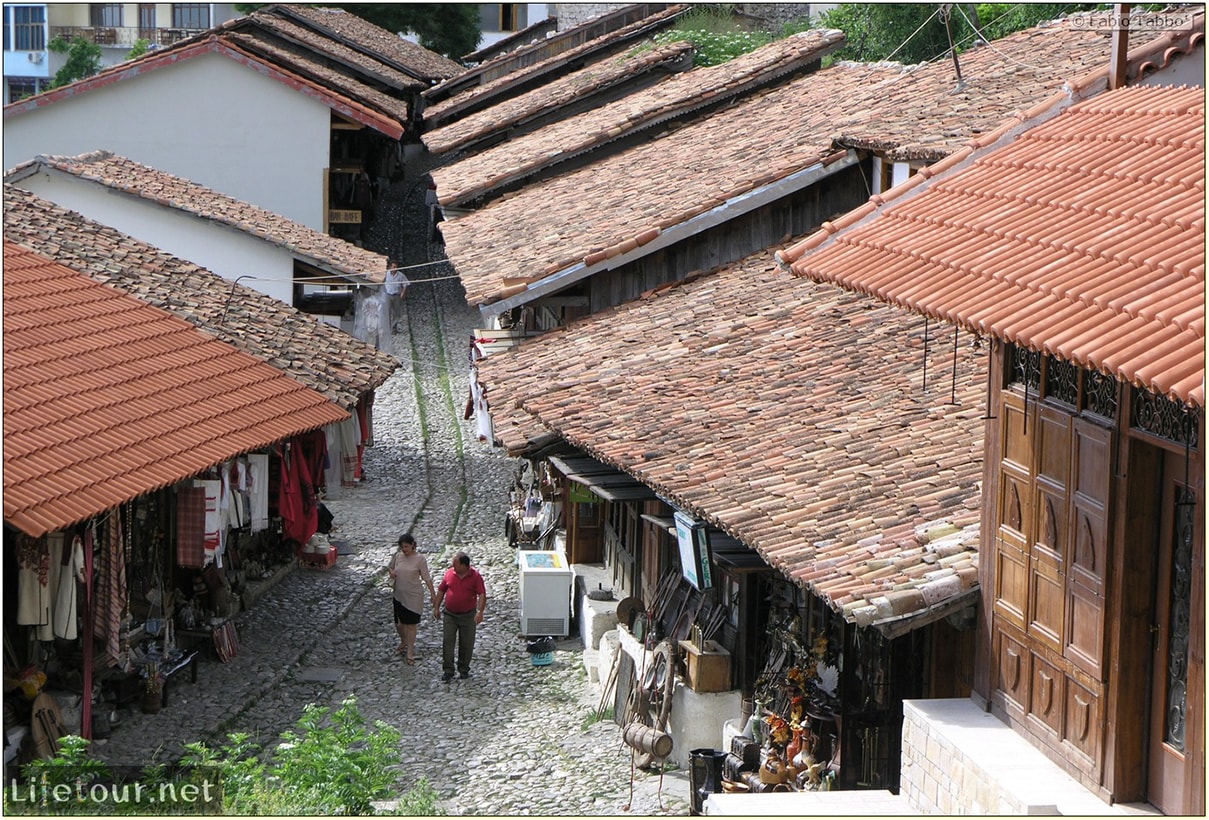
336 766
715 36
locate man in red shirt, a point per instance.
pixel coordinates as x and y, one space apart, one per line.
465 597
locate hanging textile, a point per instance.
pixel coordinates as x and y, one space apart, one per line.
333 474
71 573
108 600
86 570
258 491
191 527
237 513
34 583
213 523
296 502
349 432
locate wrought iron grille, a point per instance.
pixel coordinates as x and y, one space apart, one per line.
1062 381
1160 416
1180 614
1026 367
1100 394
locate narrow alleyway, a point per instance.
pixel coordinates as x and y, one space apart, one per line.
514 739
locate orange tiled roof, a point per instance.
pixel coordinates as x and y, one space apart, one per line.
107 397
791 415
540 62
673 97
141 181
516 111
1084 237
601 210
322 357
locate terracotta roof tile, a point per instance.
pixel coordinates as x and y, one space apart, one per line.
673 97
650 187
302 62
107 397
538 62
794 418
302 38
141 181
517 110
322 357
1084 237
361 71
376 44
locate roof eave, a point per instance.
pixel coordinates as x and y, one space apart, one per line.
733 207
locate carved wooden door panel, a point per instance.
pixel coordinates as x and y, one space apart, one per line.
1051 550
1171 628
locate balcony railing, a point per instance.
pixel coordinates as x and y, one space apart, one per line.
123 37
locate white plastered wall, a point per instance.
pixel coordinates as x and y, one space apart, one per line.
209 119
226 251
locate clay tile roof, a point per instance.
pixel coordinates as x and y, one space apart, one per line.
107 397
361 71
134 179
291 36
541 62
514 112
300 62
639 192
675 96
763 138
1083 238
322 357
374 42
793 418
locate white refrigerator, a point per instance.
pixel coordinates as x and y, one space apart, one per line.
546 583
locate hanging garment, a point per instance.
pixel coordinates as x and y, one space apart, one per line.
258 491
296 500
191 527
33 580
71 573
213 525
109 595
89 644
333 474
350 444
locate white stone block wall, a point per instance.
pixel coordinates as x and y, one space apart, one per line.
938 777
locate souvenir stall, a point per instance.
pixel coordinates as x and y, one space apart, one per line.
104 617
826 711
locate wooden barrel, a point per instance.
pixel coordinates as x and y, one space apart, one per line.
648 739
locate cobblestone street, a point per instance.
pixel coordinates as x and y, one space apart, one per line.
514 739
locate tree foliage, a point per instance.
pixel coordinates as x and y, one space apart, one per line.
916 32
83 59
451 29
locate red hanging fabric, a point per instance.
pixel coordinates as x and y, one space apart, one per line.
297 504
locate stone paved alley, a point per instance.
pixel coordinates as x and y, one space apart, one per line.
514 739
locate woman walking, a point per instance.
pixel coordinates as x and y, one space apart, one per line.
409 572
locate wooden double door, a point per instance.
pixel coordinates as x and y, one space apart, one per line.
1097 606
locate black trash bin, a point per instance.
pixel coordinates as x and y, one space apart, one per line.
704 776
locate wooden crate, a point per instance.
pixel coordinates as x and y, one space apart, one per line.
708 667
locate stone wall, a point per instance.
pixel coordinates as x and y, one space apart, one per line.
774 14
572 14
957 758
